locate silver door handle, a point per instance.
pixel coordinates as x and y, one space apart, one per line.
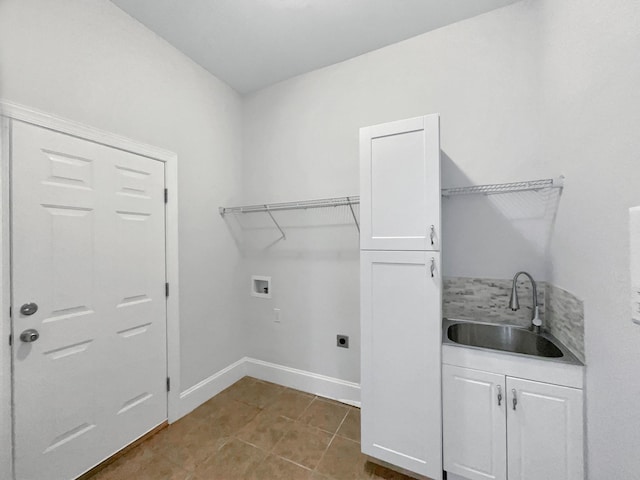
499 395
432 234
515 398
29 308
29 336
433 267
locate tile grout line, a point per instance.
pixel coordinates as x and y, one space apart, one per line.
234 435
315 470
291 461
334 434
293 420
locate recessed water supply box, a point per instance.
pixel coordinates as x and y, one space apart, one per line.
261 286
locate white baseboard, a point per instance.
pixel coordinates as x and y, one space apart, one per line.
208 388
316 384
329 387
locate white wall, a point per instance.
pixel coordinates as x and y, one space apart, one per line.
315 281
534 90
591 73
88 61
301 141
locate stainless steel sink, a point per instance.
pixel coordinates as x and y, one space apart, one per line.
504 338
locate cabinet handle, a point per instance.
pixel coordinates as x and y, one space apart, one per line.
432 234
499 395
515 398
433 267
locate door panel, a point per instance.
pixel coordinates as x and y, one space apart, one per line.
88 248
475 443
544 432
401 324
400 186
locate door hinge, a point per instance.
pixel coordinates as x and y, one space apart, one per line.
166 195
10 340
166 289
168 384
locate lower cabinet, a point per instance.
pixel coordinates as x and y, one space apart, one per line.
544 431
498 427
401 360
475 422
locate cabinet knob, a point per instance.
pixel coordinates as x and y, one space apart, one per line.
432 234
515 398
433 267
499 395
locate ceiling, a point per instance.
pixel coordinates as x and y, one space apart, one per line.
251 44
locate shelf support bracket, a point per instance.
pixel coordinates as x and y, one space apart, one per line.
283 236
353 214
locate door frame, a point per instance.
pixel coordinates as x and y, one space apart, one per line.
10 112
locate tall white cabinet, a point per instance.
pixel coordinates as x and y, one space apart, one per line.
401 284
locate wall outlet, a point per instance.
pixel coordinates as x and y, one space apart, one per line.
342 341
276 315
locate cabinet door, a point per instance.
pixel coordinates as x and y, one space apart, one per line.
544 431
400 185
474 419
401 368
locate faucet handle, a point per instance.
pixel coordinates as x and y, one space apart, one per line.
536 321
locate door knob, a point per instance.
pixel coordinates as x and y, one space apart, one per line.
29 308
29 336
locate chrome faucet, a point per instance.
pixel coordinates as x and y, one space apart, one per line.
514 304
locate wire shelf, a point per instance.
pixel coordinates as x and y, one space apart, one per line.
493 189
498 188
301 205
304 204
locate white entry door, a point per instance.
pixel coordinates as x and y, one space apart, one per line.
88 250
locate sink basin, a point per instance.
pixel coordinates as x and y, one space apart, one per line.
503 338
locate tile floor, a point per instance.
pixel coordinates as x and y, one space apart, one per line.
254 430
